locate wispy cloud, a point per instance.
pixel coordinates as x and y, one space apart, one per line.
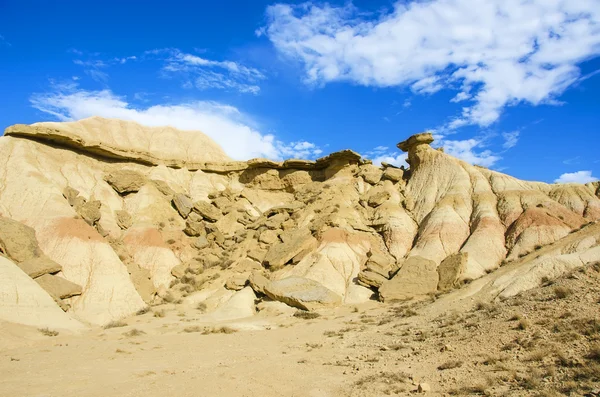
236 132
204 73
471 150
4 42
383 154
495 53
510 139
576 177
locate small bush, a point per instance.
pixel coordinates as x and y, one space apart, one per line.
219 330
159 313
305 315
170 241
134 332
194 328
201 306
48 332
562 292
450 365
115 324
594 353
523 324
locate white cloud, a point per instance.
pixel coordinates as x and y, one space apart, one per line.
576 177
466 151
496 53
207 73
234 131
510 139
382 154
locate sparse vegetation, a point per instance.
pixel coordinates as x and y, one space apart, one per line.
159 313
143 311
450 365
306 315
133 332
562 292
115 324
48 332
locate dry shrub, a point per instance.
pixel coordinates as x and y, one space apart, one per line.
159 313
194 328
201 306
306 315
523 324
561 292
594 353
450 365
219 330
134 332
48 332
115 324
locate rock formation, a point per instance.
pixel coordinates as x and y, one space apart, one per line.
109 216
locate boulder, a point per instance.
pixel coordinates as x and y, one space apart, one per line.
417 276
370 279
178 271
424 138
18 241
193 228
125 181
39 266
269 237
207 211
371 174
281 253
124 220
257 254
236 282
303 293
90 211
451 269
258 282
183 204
378 198
58 287
200 243
393 174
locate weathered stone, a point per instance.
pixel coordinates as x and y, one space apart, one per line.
424 138
207 211
221 203
302 293
18 241
257 254
275 221
200 243
90 211
423 388
237 282
393 174
35 267
258 282
183 204
371 174
378 198
163 187
451 269
126 181
371 279
70 194
193 228
178 271
269 237
417 276
281 253
124 220
58 287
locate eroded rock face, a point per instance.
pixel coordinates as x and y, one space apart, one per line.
166 223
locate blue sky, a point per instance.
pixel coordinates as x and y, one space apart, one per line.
509 84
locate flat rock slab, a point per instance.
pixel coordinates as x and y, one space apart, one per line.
417 276
183 204
58 286
302 293
451 269
125 181
18 241
36 267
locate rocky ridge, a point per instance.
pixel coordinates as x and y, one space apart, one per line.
113 216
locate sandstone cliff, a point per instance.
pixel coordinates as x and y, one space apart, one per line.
134 216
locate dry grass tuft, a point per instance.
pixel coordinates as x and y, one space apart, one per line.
115 324
143 311
450 365
562 292
159 313
305 315
48 332
219 330
134 332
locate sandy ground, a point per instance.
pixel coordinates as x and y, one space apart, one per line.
540 343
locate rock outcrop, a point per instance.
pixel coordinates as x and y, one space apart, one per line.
109 216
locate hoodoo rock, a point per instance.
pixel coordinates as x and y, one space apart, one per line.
102 217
